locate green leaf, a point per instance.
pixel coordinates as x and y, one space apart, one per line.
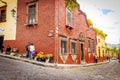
100 32
71 4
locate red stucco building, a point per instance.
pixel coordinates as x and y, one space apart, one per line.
54 29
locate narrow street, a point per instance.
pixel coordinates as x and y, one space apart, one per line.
17 70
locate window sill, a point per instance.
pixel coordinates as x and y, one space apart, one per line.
64 54
73 54
70 27
2 21
31 24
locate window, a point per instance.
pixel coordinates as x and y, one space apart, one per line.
32 16
103 52
88 46
73 47
63 45
99 51
93 46
3 14
81 37
69 18
99 40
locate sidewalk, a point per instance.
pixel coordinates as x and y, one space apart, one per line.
53 65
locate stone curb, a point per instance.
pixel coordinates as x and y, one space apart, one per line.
53 65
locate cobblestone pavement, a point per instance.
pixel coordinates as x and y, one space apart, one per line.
110 71
17 70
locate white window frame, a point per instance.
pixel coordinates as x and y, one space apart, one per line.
69 22
93 46
71 50
89 45
61 50
32 21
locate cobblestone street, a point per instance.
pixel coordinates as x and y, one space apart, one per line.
17 70
110 71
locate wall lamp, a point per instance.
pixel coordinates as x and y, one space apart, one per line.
13 12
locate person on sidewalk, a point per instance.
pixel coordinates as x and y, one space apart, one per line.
32 50
8 50
1 48
27 49
96 58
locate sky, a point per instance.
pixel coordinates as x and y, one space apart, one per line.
105 15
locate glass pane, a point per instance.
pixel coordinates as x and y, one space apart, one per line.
69 18
93 46
31 13
3 15
73 47
63 46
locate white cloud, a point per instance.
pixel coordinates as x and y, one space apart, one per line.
105 14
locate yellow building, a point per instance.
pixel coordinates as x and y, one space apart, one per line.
101 45
7 20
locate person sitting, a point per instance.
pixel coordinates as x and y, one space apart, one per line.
8 50
14 52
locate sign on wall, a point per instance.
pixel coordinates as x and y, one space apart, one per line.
2 30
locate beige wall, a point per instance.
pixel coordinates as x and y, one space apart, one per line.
9 27
102 46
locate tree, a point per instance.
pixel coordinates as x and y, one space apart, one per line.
108 49
71 4
100 32
114 51
89 22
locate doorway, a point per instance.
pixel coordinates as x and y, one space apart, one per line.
1 43
82 51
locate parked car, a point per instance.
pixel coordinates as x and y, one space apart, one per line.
114 58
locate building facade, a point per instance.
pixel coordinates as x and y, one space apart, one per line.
101 45
53 28
7 22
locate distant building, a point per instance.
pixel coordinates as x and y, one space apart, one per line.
101 44
52 28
